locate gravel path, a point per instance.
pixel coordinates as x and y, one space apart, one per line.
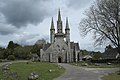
81 73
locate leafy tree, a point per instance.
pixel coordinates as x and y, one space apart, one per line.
1 48
11 57
103 19
84 52
7 52
10 45
2 52
96 55
10 48
1 55
22 52
36 48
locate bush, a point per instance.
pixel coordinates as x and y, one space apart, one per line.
11 57
0 60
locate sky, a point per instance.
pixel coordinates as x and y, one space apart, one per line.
26 21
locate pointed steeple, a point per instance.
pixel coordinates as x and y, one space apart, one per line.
67 31
52 31
67 24
52 24
59 15
59 23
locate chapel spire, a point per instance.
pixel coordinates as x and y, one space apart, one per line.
59 15
67 32
52 32
52 24
67 24
59 23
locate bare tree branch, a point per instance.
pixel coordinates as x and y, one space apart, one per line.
103 19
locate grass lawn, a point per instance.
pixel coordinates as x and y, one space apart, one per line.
111 76
23 69
93 65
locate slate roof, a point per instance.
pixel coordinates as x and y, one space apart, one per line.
110 54
46 46
72 46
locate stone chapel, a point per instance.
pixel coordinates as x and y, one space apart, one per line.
60 49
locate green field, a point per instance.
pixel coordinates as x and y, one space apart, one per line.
111 76
42 69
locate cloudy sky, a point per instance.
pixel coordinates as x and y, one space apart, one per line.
26 21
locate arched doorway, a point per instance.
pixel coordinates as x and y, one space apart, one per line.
59 59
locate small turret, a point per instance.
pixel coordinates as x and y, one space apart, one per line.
52 31
52 24
67 35
67 31
67 24
59 16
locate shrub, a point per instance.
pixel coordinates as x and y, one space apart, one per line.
11 57
0 60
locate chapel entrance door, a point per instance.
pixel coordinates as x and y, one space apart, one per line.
59 59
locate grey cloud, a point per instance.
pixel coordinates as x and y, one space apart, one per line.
22 12
2 44
77 4
46 37
30 39
26 39
7 29
22 39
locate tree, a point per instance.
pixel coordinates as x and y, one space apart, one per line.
2 52
103 19
12 45
84 52
96 55
22 52
10 48
36 49
11 57
37 46
7 52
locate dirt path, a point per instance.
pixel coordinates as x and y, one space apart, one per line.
81 73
